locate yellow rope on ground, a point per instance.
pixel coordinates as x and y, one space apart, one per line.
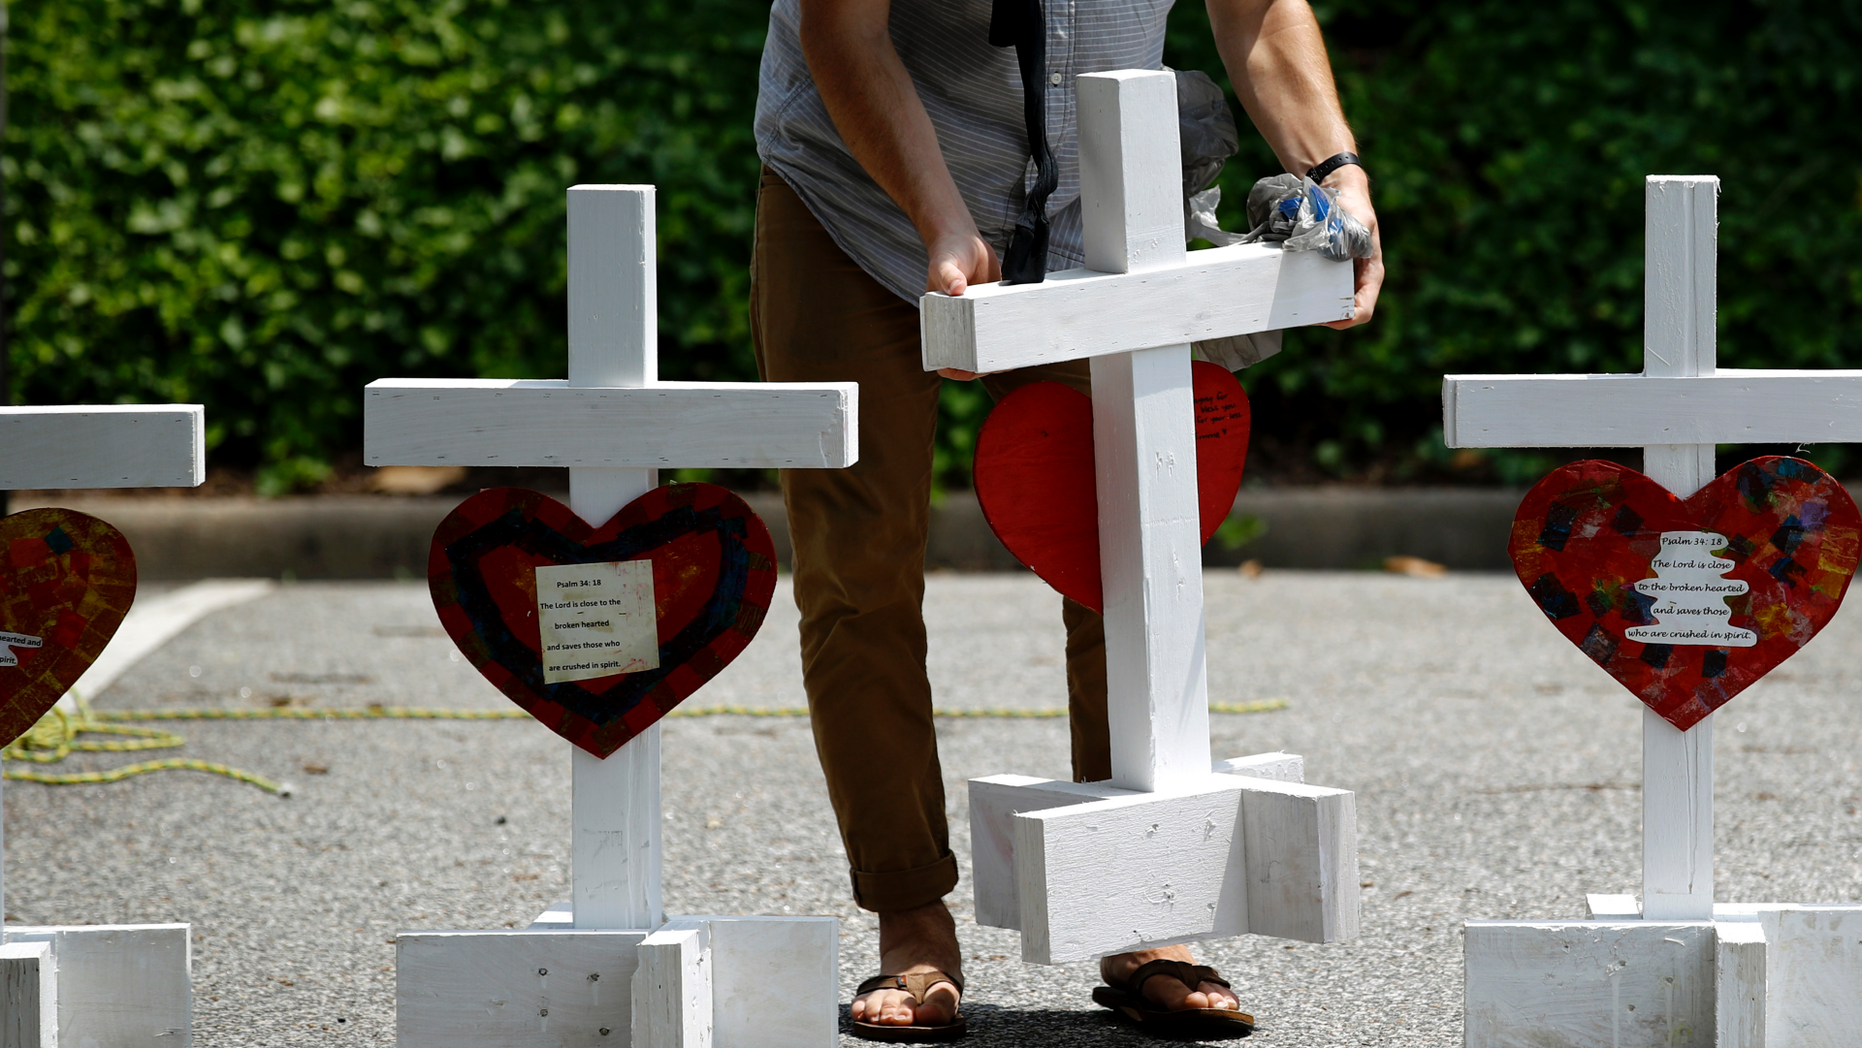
55 736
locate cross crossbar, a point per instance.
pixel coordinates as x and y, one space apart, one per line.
1725 406
548 422
1077 313
103 446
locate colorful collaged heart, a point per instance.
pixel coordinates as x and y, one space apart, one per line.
600 631
1035 480
66 581
1687 602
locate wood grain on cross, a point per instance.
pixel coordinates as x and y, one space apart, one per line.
1676 410
1170 849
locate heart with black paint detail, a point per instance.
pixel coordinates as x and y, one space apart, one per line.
600 631
1035 480
66 581
1687 602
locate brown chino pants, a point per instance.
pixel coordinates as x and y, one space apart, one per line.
859 537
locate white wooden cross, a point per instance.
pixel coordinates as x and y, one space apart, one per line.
98 984
565 980
1678 965
1173 848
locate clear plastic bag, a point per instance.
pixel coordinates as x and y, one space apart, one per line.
1319 224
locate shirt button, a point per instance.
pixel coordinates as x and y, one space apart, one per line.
1054 78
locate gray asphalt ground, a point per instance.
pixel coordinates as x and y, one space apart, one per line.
1497 774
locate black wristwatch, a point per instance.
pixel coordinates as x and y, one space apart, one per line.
1326 167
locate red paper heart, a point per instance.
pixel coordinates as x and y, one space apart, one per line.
66 581
712 571
1034 474
1586 535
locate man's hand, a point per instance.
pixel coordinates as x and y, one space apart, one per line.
1354 195
1276 59
958 260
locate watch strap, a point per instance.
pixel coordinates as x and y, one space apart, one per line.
1326 167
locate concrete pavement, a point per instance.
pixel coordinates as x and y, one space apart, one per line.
1497 772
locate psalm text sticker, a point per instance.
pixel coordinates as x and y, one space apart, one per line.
597 619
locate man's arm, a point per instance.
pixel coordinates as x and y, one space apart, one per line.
876 109
1276 60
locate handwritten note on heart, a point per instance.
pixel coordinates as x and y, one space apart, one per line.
66 581
1035 480
600 631
1687 602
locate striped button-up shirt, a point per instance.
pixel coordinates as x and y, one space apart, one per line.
973 94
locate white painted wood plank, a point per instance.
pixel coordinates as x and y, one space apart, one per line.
1148 869
1613 907
1739 984
532 422
615 814
1678 342
1132 205
1532 984
1727 406
120 985
776 981
28 996
1301 860
1150 559
616 846
154 621
777 977
1278 766
560 915
103 446
1677 820
1680 275
613 286
672 987
514 989
1130 872
1079 313
1813 975
994 803
997 799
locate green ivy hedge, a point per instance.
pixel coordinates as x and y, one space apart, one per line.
1509 143
262 206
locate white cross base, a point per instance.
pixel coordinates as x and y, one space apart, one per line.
610 968
1173 848
1677 969
112 984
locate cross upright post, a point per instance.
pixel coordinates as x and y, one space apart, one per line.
1678 341
1144 447
68 982
614 342
614 425
1085 870
1673 960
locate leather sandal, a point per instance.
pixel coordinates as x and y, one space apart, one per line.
1201 1023
917 985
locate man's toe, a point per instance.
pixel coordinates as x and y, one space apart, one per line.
1218 996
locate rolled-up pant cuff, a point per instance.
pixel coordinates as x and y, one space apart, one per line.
905 889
